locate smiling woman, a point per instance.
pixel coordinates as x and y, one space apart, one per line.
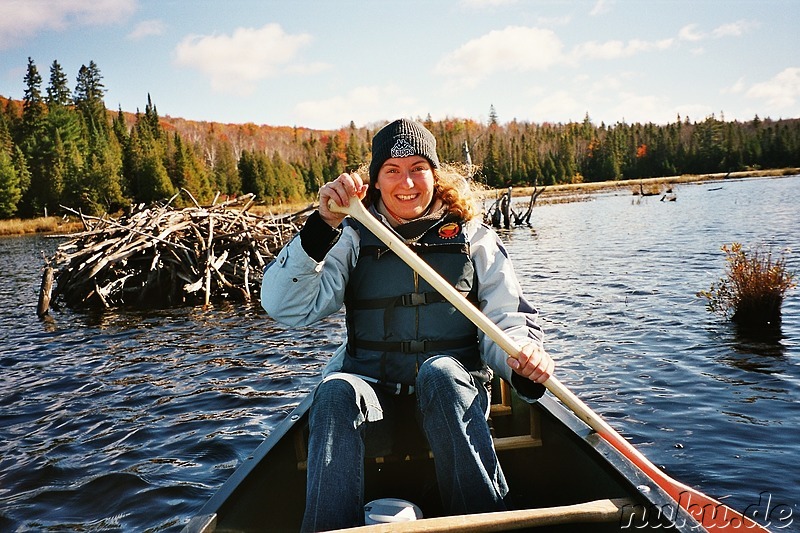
410 355
406 185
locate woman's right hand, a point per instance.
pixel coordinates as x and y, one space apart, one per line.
340 191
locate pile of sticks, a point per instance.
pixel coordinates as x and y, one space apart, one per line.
162 256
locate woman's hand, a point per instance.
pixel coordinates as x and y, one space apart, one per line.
340 191
533 363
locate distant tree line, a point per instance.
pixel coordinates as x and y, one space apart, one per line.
63 147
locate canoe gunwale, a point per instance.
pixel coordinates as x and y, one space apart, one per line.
657 500
208 513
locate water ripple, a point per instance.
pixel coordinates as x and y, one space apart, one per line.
129 420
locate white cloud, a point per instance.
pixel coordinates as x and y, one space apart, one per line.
549 22
23 19
514 48
488 3
601 7
362 105
691 33
525 49
782 91
733 29
236 62
307 69
617 49
147 28
736 88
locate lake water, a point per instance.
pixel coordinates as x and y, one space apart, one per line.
130 420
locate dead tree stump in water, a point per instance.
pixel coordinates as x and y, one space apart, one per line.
501 212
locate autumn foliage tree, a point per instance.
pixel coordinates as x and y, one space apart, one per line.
61 146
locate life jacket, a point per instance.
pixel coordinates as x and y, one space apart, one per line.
396 320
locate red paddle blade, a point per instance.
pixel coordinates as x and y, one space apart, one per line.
710 513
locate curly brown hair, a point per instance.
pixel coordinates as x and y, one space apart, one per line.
452 185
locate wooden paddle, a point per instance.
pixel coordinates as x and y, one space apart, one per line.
618 510
711 513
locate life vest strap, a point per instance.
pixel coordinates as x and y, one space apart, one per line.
412 299
415 346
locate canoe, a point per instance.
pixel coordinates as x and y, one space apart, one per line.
562 477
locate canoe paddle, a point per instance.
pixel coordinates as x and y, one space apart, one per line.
712 514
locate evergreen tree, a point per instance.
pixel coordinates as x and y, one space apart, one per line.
549 171
102 179
10 189
492 117
355 153
6 141
186 171
707 144
58 92
225 172
32 128
314 176
151 120
336 156
61 153
247 173
21 167
148 178
490 169
89 93
33 109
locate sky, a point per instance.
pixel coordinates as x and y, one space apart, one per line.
323 64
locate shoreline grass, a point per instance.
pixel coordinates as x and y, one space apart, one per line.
571 192
576 191
39 225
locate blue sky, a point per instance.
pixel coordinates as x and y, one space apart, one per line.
322 64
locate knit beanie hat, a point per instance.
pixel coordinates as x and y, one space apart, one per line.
402 138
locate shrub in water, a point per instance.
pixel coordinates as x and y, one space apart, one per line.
752 291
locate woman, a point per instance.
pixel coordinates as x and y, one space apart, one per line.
408 350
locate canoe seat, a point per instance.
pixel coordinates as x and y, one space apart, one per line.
499 409
503 408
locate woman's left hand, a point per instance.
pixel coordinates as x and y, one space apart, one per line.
533 363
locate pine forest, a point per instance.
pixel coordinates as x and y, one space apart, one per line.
61 146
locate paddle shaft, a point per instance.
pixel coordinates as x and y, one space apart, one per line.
706 510
582 513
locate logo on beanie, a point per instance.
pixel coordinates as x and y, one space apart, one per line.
449 230
402 148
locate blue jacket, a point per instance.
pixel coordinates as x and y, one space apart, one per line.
298 290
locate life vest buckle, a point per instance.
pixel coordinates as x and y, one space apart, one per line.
414 299
413 346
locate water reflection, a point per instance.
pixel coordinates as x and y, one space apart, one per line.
767 341
757 349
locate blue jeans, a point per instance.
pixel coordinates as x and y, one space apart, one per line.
351 418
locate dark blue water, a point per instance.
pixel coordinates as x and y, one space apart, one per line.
129 420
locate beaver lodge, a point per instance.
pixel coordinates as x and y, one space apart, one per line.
164 256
